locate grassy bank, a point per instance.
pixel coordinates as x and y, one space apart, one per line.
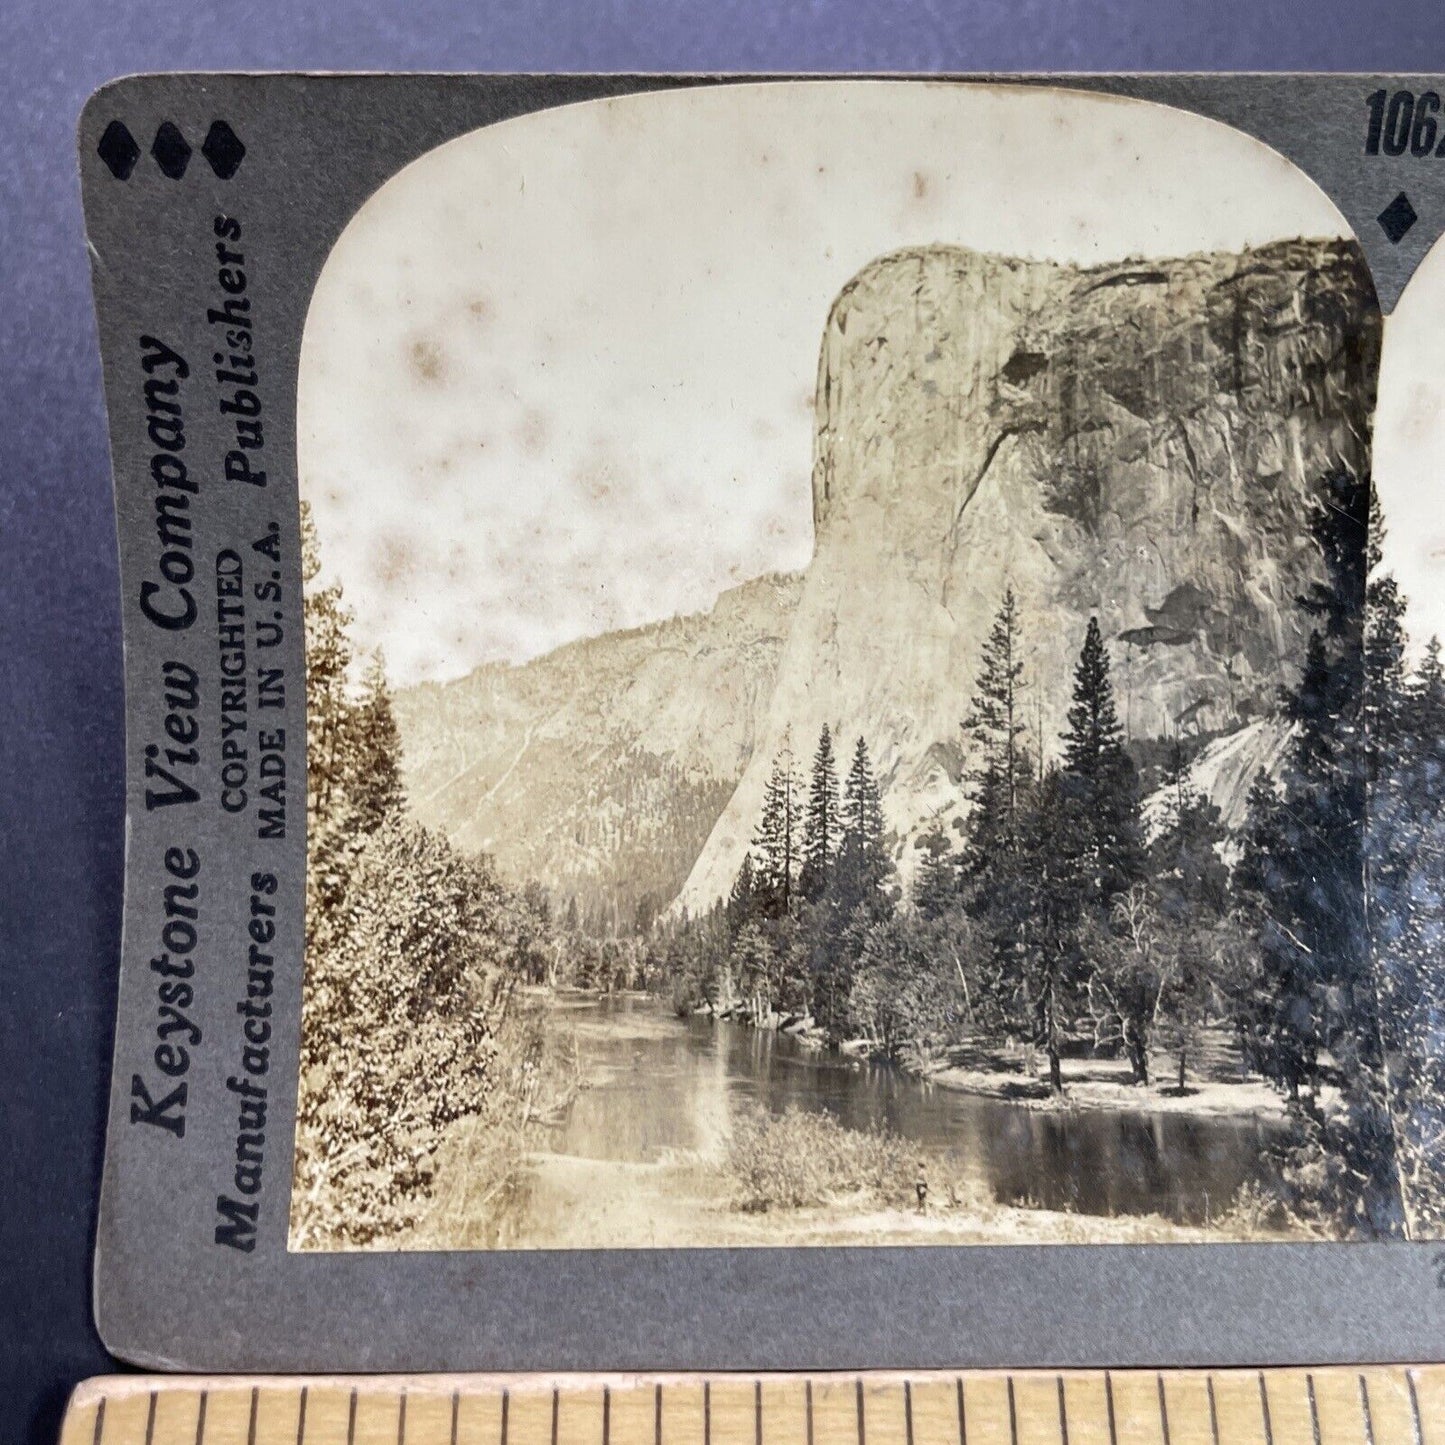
796 1180
808 1166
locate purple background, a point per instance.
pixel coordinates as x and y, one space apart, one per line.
60 666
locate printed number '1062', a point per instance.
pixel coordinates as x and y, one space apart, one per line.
1401 121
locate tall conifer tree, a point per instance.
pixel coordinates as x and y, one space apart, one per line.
997 727
1313 945
1425 706
776 840
376 787
742 901
821 823
1099 780
1386 696
328 658
935 888
864 866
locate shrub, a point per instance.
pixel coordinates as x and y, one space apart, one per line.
405 993
804 1159
1256 1211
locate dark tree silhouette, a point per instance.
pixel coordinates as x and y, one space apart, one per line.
996 727
1100 788
776 840
821 823
936 885
376 791
863 869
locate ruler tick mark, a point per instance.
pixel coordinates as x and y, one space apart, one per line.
140 1422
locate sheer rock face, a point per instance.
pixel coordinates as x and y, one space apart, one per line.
1140 441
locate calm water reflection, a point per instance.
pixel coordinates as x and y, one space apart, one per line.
657 1083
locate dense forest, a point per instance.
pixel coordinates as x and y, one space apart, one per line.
410 1020
1058 922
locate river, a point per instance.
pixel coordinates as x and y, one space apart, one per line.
656 1086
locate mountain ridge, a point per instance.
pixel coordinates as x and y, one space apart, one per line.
575 768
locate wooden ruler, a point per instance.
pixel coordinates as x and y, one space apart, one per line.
1331 1406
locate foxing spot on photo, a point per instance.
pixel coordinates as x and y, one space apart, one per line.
840 697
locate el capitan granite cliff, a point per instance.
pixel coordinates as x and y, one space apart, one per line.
1141 441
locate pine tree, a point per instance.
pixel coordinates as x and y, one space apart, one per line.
1185 861
1385 699
1312 936
742 900
776 839
832 927
935 888
1425 699
821 823
326 620
1099 780
1035 917
1190 895
1406 860
997 727
864 867
375 789
1324 779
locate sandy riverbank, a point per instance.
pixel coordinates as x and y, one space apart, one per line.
1105 1084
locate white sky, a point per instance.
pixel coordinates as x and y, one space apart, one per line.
557 376
1409 452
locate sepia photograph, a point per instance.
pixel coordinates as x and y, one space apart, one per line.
859 690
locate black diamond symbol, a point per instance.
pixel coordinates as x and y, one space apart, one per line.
223 148
171 151
1397 218
118 150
